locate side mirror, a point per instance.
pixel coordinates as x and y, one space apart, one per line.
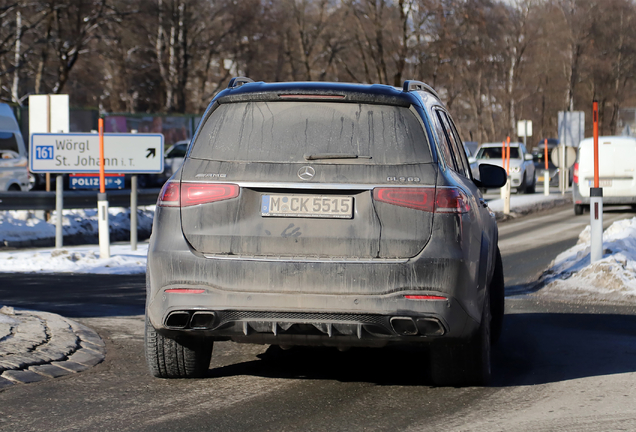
472 159
528 157
491 176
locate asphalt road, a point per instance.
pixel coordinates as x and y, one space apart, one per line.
558 366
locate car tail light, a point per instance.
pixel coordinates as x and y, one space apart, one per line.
451 200
440 200
576 172
415 198
191 194
169 195
424 297
184 291
203 193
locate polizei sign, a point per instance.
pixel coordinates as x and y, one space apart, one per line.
79 153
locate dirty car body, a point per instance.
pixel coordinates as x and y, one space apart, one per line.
321 214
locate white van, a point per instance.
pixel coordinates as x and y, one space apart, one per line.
617 172
14 175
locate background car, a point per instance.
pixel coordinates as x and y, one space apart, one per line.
538 158
616 167
13 155
326 214
522 171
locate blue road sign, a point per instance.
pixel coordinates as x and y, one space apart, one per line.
91 181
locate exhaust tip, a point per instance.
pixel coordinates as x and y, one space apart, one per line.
404 326
202 320
430 327
178 319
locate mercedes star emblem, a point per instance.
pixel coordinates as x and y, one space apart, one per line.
306 173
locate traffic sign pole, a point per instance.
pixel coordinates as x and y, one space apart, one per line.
507 186
133 213
596 199
102 200
59 208
546 173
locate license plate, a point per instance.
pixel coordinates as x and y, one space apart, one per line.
601 183
311 206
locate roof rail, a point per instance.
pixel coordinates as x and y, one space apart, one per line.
412 85
239 81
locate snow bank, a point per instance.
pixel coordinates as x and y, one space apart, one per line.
21 225
76 259
612 278
523 204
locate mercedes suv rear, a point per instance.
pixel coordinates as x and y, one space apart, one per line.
325 214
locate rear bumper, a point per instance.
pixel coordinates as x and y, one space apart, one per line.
351 320
318 302
578 199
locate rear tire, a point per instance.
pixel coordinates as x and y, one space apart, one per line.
533 187
466 362
497 300
578 209
168 358
522 187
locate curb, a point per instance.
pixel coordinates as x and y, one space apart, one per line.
35 346
534 208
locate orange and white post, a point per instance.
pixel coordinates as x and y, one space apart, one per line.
102 200
546 172
507 186
596 199
503 165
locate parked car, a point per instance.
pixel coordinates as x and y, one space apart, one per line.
14 175
538 157
325 214
173 159
617 172
522 171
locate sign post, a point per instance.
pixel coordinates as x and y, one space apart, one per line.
546 173
97 154
50 113
133 208
507 186
596 199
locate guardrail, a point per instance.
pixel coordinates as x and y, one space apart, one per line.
73 199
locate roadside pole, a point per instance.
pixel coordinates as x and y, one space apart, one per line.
102 200
596 200
546 173
503 165
59 209
133 208
507 186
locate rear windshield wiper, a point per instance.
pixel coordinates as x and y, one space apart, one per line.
334 156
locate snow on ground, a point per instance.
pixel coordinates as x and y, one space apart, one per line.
76 259
526 203
29 225
19 225
612 278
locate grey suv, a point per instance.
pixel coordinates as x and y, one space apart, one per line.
325 214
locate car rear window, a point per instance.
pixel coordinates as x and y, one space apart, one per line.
495 153
290 131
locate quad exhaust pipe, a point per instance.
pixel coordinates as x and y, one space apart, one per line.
407 326
197 320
